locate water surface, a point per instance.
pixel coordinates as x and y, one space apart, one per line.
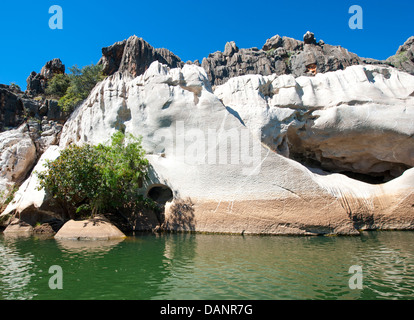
199 266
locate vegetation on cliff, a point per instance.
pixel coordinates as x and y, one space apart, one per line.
73 88
98 179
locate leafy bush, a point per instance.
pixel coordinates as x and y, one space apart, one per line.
82 81
73 88
58 85
97 179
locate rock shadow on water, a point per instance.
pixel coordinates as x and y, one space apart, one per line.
85 246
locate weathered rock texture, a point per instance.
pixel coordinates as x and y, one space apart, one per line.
134 55
248 187
245 153
404 58
279 55
37 82
17 158
31 204
92 229
358 121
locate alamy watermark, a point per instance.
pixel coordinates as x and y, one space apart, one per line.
56 20
356 20
56 281
356 280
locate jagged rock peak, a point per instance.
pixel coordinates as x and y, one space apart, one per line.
37 82
134 55
404 57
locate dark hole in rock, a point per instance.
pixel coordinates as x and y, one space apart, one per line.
160 194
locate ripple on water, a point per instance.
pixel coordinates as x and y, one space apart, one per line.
186 266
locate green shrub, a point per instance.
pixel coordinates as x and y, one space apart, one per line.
97 179
57 86
73 88
82 81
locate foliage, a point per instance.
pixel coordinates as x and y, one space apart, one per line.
82 81
73 88
58 85
97 179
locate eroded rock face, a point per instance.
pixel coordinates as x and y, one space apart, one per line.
358 120
37 82
31 204
134 55
249 153
251 188
17 158
12 112
279 55
404 58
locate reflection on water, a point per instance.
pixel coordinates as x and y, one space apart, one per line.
198 266
75 246
15 273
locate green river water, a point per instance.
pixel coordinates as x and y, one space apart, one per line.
201 266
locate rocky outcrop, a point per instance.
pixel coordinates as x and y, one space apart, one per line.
404 58
97 228
247 186
18 227
279 55
278 140
17 158
31 204
357 121
12 109
17 107
37 82
133 56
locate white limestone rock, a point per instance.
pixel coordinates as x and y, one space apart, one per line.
243 186
17 158
31 204
360 119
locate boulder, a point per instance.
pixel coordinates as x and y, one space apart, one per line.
52 68
18 227
97 228
309 38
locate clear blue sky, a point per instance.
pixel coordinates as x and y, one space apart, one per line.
191 29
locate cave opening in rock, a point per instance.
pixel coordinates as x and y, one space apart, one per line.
371 178
160 193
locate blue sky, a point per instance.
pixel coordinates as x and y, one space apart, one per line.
190 29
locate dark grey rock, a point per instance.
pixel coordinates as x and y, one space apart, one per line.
134 56
37 82
309 38
12 112
404 57
111 57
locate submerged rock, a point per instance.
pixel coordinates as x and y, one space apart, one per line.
97 228
18 227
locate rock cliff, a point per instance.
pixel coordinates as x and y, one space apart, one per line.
298 137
